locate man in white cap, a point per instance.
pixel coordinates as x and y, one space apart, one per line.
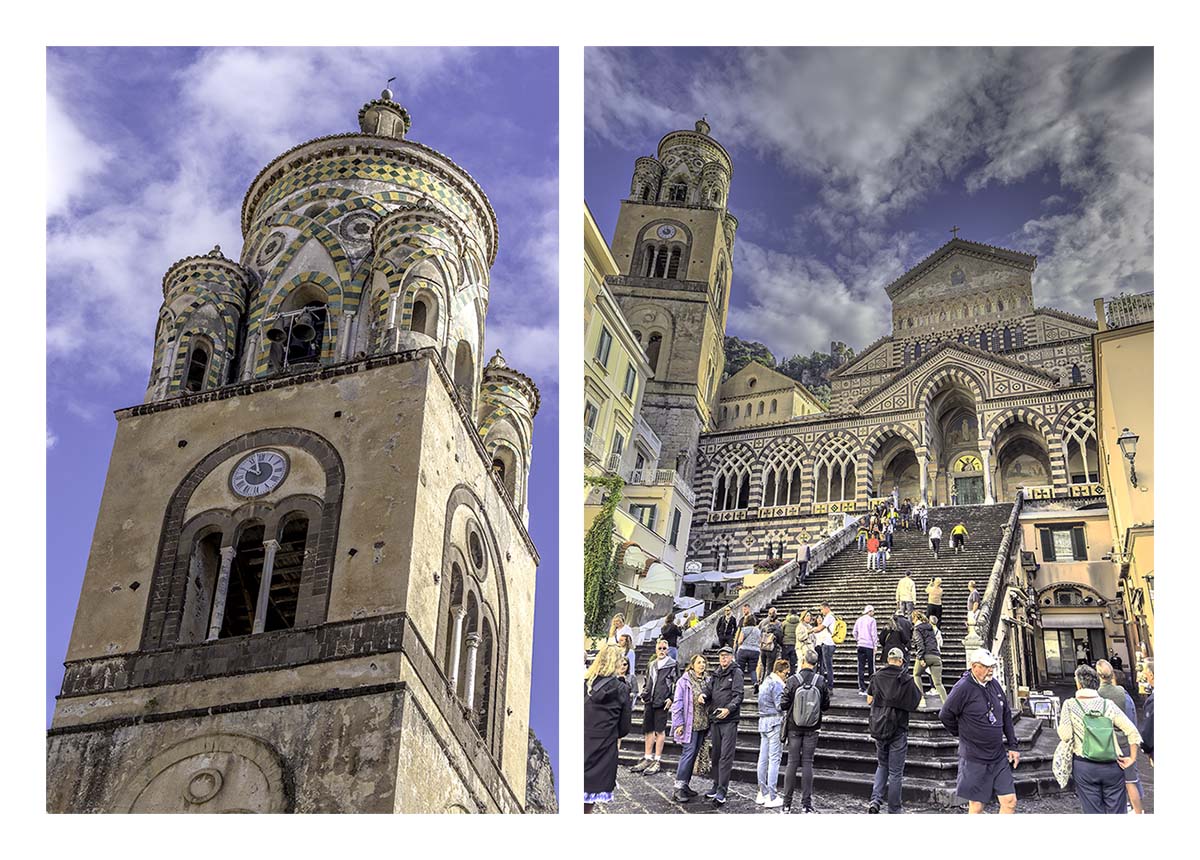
977 713
866 634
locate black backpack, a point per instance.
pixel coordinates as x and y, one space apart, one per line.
806 704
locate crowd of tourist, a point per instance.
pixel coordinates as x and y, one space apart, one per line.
788 665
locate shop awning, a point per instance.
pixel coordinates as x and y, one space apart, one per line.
1071 620
635 597
659 580
717 575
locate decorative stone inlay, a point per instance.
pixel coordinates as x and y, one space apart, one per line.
203 786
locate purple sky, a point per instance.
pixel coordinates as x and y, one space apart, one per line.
850 165
150 153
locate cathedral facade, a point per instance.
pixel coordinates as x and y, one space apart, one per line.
977 391
311 585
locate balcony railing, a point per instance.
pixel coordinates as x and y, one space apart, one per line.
613 463
1125 310
661 478
592 443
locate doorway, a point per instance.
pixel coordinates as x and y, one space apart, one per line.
968 491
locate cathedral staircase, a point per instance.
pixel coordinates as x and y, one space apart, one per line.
845 758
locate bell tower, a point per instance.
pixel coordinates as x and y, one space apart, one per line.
311 585
674 246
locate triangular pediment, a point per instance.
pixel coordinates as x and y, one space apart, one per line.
765 379
993 375
940 267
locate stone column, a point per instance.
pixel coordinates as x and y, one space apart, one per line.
473 640
923 469
345 351
264 586
460 613
250 357
985 453
218 610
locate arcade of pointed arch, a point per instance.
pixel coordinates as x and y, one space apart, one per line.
782 472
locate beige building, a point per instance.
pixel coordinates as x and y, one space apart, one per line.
758 395
1124 358
311 587
653 519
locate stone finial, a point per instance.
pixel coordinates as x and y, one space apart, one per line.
702 126
497 361
216 252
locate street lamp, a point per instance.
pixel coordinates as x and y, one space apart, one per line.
1128 442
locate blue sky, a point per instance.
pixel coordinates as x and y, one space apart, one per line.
851 165
151 151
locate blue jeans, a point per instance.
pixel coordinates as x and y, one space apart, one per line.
747 661
770 751
826 656
862 542
672 652
866 667
889 771
687 759
1100 786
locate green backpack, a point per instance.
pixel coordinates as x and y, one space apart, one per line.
1099 741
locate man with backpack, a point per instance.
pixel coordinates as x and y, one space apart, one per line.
898 634
805 698
790 625
771 643
892 696
1119 696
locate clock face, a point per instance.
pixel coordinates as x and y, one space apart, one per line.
666 231
259 473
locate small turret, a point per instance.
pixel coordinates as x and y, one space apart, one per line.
384 117
508 402
195 346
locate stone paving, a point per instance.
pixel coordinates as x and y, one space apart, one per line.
636 794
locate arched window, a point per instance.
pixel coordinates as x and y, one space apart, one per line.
233 612
678 192
505 467
464 372
774 406
481 700
204 566
1079 434
652 351
673 264
660 261
985 341
836 471
737 411
781 477
1007 338
917 350
197 365
424 315
724 412
732 489
451 657
1020 336
761 406
1076 375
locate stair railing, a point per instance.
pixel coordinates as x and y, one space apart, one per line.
704 634
991 606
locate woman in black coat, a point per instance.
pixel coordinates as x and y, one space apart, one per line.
607 717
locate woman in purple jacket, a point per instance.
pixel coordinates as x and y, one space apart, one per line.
689 723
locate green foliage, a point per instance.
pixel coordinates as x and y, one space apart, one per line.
739 353
599 559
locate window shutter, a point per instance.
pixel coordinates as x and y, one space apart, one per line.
1047 544
1079 543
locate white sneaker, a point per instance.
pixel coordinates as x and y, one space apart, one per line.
761 799
773 803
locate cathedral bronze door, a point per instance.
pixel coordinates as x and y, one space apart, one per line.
968 491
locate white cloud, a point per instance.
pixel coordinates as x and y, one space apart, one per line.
51 439
73 159
880 130
182 194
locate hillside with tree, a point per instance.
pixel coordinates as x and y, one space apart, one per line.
812 371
